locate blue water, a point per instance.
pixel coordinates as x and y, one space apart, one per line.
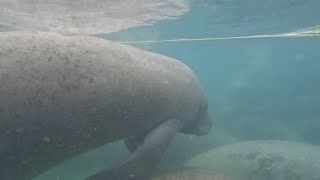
257 88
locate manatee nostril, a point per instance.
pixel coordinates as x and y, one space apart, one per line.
204 130
204 127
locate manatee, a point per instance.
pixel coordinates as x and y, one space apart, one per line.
263 160
65 95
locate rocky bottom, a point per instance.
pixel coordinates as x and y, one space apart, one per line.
189 173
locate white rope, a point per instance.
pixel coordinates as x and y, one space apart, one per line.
309 32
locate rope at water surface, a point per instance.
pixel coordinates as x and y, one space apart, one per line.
307 32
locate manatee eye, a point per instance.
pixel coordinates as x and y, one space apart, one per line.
202 112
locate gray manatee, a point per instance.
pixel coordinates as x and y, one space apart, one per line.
64 95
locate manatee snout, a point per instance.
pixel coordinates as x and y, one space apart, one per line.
202 125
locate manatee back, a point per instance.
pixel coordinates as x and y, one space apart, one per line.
70 79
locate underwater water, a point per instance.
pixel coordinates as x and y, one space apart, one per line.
258 89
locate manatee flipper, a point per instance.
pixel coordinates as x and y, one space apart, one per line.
133 143
143 160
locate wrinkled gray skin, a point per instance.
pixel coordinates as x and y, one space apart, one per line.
61 96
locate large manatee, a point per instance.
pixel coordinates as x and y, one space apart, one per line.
64 95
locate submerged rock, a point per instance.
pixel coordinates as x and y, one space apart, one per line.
263 160
189 173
